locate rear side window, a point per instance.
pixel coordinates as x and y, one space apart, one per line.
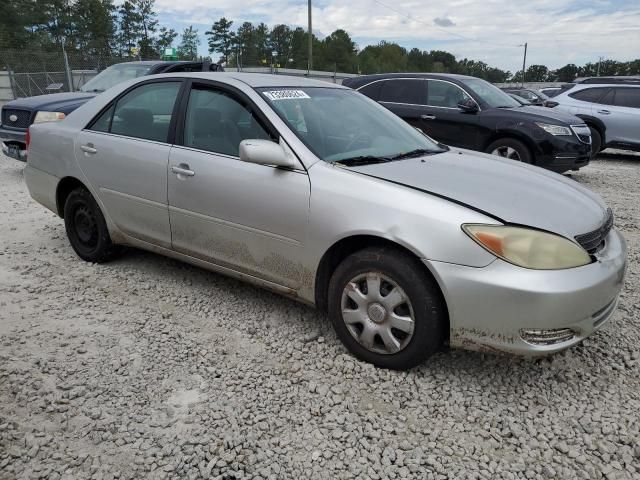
592 95
628 97
403 91
444 94
372 90
145 112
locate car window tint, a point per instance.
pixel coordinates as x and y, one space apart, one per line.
589 94
146 111
403 91
444 94
628 97
217 122
609 98
190 67
101 124
372 90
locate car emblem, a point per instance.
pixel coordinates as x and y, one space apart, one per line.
13 118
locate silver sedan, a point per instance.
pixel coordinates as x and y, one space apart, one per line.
316 192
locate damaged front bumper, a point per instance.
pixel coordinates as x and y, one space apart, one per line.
505 308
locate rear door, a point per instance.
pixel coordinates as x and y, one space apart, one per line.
247 217
124 153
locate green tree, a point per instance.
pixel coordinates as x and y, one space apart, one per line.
338 52
94 27
166 37
188 48
221 38
537 73
148 24
564 74
128 27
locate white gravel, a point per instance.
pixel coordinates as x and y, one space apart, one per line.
149 368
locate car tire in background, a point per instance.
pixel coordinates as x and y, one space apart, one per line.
86 228
596 141
512 149
386 309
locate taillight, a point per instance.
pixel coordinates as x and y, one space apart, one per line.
27 139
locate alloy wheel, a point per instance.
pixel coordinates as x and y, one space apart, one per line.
377 313
507 152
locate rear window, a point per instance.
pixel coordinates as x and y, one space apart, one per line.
628 97
372 90
592 95
403 91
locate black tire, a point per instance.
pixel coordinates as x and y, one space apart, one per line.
523 153
426 303
596 141
86 228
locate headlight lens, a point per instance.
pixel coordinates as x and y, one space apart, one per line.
528 248
555 129
48 117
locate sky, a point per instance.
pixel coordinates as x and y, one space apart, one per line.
557 31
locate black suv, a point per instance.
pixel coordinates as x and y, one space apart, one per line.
467 112
19 114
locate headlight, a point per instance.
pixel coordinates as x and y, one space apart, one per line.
48 117
528 248
555 129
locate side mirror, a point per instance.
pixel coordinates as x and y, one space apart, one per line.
468 106
264 152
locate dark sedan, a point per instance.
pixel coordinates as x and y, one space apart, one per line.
467 112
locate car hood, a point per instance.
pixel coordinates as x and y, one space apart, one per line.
534 113
511 192
60 102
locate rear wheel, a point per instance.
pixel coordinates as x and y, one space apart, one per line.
86 228
512 149
596 141
386 309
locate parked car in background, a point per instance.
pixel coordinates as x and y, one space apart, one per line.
617 79
551 91
471 113
315 191
611 111
18 114
534 97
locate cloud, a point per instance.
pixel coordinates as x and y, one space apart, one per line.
443 22
557 31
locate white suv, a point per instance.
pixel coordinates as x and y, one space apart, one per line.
612 112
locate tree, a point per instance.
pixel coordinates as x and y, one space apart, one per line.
221 38
564 74
188 48
280 39
149 24
129 27
94 28
537 73
166 37
338 52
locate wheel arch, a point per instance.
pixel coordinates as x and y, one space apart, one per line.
65 186
344 247
597 124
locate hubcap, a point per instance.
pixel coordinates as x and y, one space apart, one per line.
507 152
377 313
85 226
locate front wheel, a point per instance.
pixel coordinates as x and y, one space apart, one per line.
86 228
512 149
385 309
596 141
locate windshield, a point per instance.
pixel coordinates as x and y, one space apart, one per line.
339 124
113 75
490 94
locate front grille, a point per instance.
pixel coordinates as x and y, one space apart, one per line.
594 240
537 336
582 132
22 118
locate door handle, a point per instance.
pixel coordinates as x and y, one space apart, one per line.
182 169
428 117
88 148
604 112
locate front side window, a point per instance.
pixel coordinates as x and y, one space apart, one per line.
403 91
372 90
444 94
217 122
337 124
144 112
628 97
592 95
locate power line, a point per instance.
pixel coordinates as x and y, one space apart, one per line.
464 37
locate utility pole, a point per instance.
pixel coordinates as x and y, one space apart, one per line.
310 60
524 62
599 62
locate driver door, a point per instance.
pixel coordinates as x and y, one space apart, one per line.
247 217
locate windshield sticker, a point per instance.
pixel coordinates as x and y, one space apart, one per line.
285 95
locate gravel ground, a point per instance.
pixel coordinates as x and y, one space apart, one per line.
149 368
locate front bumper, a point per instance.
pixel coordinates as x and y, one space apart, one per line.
14 143
561 154
505 308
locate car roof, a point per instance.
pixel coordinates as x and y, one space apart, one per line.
257 80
